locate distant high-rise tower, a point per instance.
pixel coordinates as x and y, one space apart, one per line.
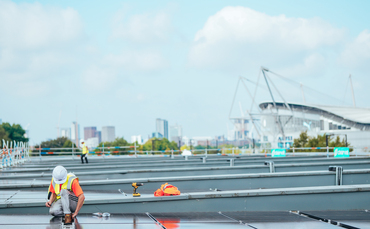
175 133
137 138
75 133
65 132
98 135
89 132
162 128
108 134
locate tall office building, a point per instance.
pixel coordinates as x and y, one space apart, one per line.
89 132
65 132
75 133
98 135
162 128
175 133
108 134
137 138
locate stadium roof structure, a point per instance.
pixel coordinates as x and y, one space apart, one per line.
350 116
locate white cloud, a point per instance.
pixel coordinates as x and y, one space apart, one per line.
238 36
97 78
357 53
312 65
37 45
142 28
141 61
108 70
28 26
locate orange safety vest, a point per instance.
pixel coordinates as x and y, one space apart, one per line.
167 190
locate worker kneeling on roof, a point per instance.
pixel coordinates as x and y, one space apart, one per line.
65 194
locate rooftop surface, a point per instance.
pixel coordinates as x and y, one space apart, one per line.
260 220
311 206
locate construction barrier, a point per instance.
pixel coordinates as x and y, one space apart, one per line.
14 153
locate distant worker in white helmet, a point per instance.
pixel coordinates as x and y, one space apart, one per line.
65 195
85 151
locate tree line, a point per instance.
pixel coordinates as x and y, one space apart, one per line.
155 144
159 144
13 132
304 141
61 142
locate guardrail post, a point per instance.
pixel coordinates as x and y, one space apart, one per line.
338 174
206 153
327 151
135 149
1 157
271 165
14 154
23 152
1 165
232 162
20 152
5 146
204 159
73 152
28 151
10 154
40 151
186 157
172 157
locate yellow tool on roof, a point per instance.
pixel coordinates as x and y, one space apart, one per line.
136 185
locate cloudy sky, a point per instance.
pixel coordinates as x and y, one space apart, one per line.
126 63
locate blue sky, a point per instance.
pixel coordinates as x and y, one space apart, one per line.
127 63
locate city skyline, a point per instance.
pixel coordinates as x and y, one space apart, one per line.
174 133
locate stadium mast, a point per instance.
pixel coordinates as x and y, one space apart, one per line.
353 94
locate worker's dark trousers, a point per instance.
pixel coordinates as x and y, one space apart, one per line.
82 158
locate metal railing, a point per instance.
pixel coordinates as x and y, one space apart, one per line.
134 151
13 153
77 151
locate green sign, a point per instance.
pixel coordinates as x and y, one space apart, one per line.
341 152
278 152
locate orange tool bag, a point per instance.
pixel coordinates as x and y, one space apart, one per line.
167 190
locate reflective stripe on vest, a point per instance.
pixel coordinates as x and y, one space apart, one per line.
66 185
166 187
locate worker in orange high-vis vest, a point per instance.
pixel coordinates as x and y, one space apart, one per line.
66 195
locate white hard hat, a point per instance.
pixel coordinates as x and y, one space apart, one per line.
82 140
59 174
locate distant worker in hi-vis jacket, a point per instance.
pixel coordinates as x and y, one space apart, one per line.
65 195
85 151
